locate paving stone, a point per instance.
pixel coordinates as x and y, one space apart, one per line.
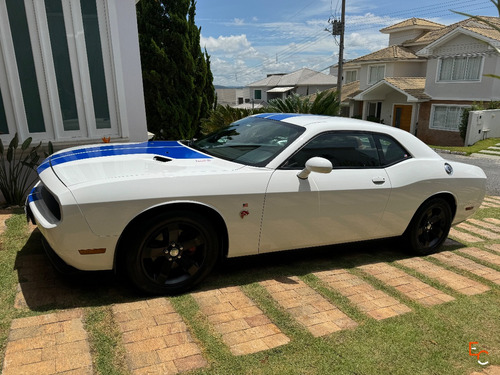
371 301
408 285
243 326
48 344
490 370
468 265
490 226
479 231
494 247
491 152
462 236
156 339
452 280
483 255
492 220
493 200
39 284
487 205
307 306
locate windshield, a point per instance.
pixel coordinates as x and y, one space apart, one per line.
251 141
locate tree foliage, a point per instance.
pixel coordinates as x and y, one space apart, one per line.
223 116
178 83
322 103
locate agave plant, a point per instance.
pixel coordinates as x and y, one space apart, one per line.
17 169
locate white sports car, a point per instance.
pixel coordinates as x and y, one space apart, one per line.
165 212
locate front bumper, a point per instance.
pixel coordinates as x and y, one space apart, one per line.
66 230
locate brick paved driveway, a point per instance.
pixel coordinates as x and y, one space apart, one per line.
157 339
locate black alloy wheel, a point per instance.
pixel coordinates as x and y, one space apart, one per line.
173 252
429 227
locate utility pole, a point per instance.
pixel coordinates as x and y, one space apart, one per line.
338 28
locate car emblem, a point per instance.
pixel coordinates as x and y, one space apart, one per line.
448 168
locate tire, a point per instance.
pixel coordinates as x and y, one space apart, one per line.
171 252
429 227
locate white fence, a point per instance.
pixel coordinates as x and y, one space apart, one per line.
483 125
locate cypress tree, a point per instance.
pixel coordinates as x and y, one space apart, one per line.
178 84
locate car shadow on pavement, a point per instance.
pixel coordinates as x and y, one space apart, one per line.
42 288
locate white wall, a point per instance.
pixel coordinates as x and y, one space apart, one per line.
125 40
483 125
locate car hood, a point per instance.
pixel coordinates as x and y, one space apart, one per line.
131 161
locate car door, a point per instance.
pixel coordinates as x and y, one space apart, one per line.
341 206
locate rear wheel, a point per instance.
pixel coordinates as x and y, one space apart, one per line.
171 252
429 227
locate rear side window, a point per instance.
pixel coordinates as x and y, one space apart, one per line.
391 152
350 150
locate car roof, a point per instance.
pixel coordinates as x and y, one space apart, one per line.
320 121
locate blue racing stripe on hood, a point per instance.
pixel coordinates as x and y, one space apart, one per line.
169 149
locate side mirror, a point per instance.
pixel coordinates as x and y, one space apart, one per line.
316 164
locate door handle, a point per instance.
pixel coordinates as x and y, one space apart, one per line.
378 180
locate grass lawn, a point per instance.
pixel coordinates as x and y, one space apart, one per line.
427 340
476 147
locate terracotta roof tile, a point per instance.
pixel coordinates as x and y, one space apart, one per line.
469 24
413 86
412 22
391 53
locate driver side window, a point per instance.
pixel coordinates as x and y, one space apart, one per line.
342 149
350 150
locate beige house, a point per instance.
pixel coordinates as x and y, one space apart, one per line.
425 77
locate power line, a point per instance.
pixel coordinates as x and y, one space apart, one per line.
314 38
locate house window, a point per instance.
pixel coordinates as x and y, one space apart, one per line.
55 94
26 65
350 76
445 117
467 68
377 73
257 94
62 64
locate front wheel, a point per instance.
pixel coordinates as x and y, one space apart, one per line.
171 252
429 227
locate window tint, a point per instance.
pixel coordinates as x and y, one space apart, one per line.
344 150
391 151
350 150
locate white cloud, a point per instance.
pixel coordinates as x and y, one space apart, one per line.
283 47
231 43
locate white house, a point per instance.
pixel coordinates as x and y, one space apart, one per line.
70 71
426 76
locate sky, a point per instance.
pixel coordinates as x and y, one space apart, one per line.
247 40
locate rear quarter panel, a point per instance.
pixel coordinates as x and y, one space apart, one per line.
416 180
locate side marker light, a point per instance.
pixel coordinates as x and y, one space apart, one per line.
91 251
